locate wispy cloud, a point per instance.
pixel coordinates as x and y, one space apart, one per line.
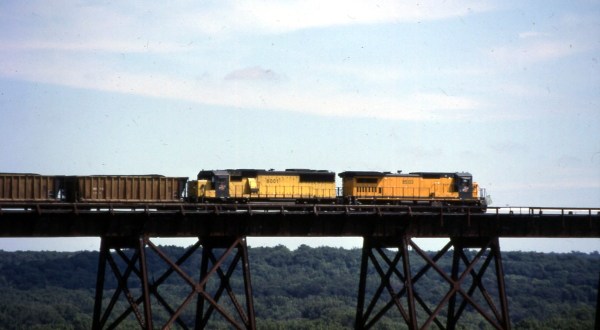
284 16
80 45
538 51
123 27
255 73
113 46
532 34
569 36
282 95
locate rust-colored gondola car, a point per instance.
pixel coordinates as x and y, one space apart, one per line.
126 188
22 187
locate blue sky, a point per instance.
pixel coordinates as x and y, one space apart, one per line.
507 90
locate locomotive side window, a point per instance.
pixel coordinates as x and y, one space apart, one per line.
235 178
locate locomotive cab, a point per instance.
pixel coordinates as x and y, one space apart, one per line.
463 183
220 182
211 185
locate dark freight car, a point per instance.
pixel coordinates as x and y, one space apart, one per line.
29 187
125 188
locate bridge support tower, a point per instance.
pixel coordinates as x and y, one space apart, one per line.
395 275
141 296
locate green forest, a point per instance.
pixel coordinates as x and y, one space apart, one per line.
306 288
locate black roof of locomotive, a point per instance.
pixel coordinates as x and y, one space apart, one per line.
323 175
352 174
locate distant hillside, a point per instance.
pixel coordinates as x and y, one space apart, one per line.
302 289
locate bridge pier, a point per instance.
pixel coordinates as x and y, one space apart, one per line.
393 285
403 277
140 288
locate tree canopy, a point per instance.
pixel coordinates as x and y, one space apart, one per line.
301 289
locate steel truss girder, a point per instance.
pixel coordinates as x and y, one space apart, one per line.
128 265
397 287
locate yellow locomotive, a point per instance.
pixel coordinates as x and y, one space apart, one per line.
421 188
247 185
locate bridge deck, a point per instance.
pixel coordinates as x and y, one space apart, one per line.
193 220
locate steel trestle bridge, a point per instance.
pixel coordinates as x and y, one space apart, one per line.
126 230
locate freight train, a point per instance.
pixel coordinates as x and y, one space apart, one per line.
455 190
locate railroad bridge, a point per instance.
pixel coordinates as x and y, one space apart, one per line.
126 231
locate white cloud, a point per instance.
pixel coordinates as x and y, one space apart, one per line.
382 91
327 100
243 89
538 51
115 46
255 73
284 16
532 34
77 25
569 35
